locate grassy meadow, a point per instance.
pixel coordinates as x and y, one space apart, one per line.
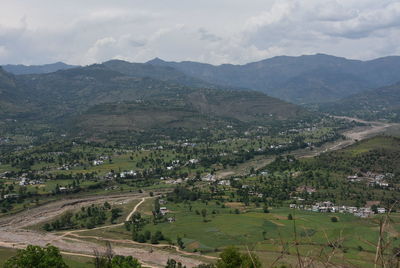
351 239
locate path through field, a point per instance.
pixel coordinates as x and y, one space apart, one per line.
13 232
14 235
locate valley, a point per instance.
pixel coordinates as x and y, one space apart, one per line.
17 233
168 164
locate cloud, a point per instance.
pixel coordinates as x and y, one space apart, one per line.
233 31
367 23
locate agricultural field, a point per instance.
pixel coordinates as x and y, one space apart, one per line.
351 239
216 195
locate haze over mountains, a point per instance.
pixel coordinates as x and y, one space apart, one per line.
120 96
305 79
36 69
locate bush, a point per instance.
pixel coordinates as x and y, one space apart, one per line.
35 256
334 219
265 209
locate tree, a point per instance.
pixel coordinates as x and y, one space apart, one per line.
124 262
290 217
147 234
106 205
157 206
180 243
141 238
115 214
334 219
374 208
204 214
232 258
264 233
107 259
265 209
37 257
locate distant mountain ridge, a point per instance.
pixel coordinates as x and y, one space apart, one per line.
36 69
305 79
101 99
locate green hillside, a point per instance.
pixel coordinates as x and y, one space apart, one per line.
378 154
382 103
315 78
100 99
12 99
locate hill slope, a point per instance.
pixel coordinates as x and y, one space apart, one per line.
98 99
381 103
13 101
162 73
304 79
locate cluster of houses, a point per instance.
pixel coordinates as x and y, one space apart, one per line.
328 206
209 178
4 175
372 179
224 182
176 163
164 211
100 161
68 167
25 181
4 140
187 144
305 188
10 196
174 181
130 173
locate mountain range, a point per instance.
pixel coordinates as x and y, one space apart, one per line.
121 96
304 79
36 69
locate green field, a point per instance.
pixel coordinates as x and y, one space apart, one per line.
264 232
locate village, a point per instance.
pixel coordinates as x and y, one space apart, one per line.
372 179
330 207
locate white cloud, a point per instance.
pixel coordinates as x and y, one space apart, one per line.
3 51
224 31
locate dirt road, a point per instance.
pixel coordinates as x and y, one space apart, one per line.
372 128
13 234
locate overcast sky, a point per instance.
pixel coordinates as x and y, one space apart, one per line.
213 31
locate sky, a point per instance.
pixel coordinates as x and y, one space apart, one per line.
213 31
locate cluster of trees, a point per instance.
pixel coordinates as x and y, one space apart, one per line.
136 225
181 194
50 256
87 217
37 257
